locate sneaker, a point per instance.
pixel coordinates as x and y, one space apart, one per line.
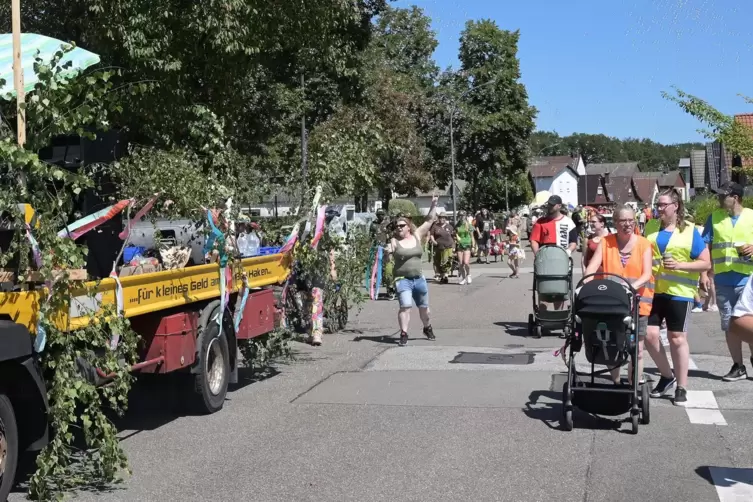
463 281
681 397
429 333
737 372
316 340
470 280
713 308
696 310
663 387
403 339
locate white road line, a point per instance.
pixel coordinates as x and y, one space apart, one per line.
732 485
702 408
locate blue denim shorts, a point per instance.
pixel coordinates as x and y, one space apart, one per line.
410 290
726 299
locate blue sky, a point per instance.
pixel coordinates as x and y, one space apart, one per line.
599 66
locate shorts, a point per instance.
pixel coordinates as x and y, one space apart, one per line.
726 300
412 289
642 325
675 312
464 247
483 241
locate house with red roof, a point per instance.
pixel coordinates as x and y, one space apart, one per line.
557 175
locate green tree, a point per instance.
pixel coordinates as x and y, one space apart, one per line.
495 120
735 135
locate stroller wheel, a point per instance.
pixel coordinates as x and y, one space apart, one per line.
645 405
567 408
634 419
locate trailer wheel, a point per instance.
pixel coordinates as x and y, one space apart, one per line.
211 381
8 446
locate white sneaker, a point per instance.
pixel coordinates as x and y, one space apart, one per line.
696 310
463 281
470 280
713 308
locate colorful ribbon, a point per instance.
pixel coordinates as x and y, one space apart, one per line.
87 223
319 229
127 231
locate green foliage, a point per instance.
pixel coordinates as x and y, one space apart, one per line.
598 148
701 207
495 120
491 193
736 136
403 206
77 407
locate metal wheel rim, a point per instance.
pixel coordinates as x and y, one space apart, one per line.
3 450
215 369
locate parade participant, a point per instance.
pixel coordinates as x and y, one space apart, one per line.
679 257
407 249
729 235
380 231
444 245
514 252
464 243
599 230
554 228
627 255
484 226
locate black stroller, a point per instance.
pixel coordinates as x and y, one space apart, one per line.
552 282
605 321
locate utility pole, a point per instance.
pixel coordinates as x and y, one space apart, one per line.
507 199
452 162
18 72
304 146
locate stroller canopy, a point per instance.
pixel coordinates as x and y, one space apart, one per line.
603 297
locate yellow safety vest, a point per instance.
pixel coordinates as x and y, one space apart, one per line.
723 253
673 282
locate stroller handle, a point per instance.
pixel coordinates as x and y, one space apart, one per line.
605 274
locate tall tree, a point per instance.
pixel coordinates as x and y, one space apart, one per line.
495 120
736 136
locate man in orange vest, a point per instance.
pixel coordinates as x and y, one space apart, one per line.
630 256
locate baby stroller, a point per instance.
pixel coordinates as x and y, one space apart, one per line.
552 283
605 320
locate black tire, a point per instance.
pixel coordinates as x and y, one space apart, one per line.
645 405
530 324
211 382
634 422
8 446
567 409
538 331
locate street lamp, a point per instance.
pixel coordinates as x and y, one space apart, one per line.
452 143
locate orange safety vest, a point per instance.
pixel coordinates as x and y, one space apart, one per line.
633 269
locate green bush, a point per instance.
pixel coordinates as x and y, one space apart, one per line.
402 206
702 207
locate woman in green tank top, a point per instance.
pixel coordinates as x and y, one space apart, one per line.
407 249
464 239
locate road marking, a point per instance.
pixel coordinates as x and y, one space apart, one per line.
732 484
702 408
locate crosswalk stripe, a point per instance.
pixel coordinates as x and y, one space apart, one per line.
702 408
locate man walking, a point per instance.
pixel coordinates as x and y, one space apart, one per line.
729 236
554 228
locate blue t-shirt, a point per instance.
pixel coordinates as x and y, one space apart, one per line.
731 278
695 251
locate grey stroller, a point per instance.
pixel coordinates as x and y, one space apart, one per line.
552 283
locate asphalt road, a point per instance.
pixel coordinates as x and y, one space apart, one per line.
361 419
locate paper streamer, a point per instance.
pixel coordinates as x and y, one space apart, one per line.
379 260
373 275
35 251
319 229
142 212
87 223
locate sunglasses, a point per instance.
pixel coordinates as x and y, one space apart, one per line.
401 225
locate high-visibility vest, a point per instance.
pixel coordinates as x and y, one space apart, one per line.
633 269
723 253
674 282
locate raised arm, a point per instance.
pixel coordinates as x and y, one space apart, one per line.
423 230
